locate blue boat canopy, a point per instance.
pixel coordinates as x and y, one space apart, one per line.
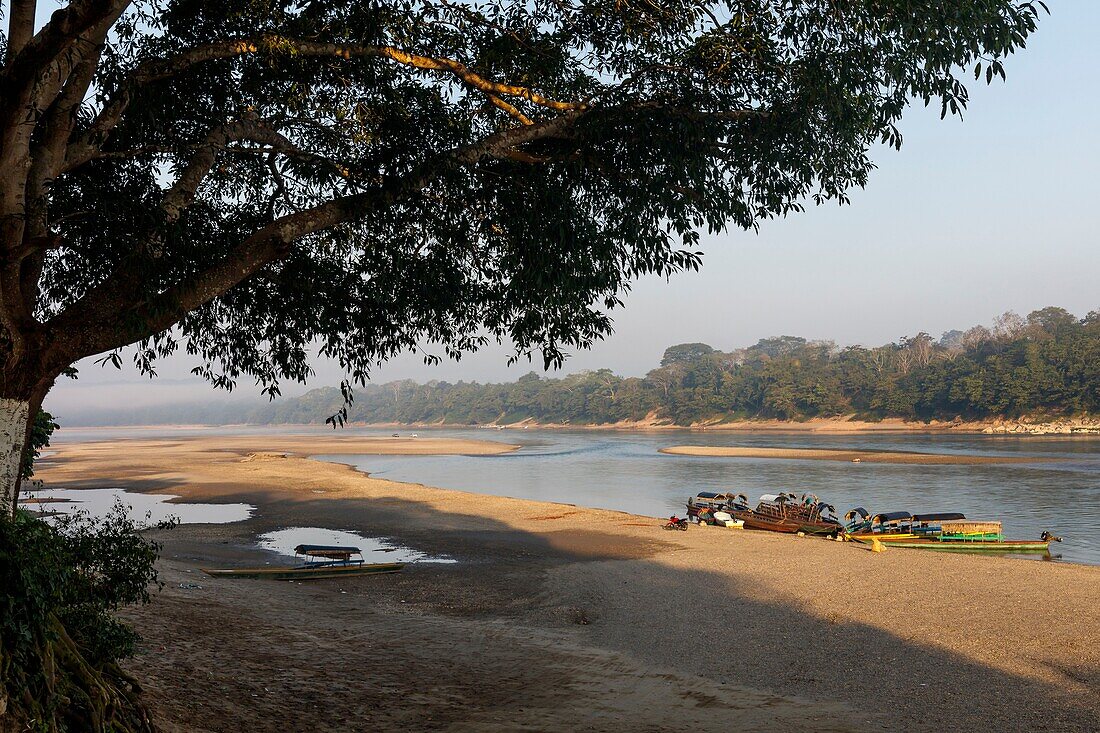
709 495
941 517
857 512
334 552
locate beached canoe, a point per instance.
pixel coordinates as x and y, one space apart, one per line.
314 571
321 561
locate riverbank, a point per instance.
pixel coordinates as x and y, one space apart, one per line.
563 618
853 456
849 424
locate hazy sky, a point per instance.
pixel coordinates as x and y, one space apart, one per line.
968 220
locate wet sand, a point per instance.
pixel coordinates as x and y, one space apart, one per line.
564 618
853 456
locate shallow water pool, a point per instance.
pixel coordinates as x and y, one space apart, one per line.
143 508
375 550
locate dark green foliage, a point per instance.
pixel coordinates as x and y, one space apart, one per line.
41 431
685 352
59 639
1047 364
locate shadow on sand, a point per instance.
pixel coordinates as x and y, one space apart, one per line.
577 629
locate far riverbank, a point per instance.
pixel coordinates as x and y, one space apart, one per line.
844 425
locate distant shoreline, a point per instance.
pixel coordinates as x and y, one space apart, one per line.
1076 427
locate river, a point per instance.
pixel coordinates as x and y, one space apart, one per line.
623 470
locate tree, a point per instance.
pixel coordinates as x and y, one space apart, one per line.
683 353
778 346
246 180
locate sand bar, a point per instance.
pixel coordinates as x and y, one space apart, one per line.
854 456
565 618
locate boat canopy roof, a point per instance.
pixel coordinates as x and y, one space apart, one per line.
940 517
891 517
857 512
336 552
774 498
709 495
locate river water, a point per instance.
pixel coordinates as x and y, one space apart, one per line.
624 470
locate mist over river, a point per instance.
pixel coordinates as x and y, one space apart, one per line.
623 470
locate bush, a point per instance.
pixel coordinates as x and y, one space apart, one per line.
60 643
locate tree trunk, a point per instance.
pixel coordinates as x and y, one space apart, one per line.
15 417
20 402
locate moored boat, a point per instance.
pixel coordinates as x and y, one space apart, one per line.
770 514
319 562
814 516
962 545
705 504
944 531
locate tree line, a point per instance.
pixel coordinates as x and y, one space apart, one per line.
1047 363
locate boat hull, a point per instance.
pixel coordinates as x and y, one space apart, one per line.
306 573
823 529
917 543
755 521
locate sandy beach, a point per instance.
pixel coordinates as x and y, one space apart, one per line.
855 456
563 618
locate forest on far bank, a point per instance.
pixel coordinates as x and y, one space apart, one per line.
1047 363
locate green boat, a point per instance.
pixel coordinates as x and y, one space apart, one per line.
967 545
321 562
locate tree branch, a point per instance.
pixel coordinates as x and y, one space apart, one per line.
158 69
20 25
182 193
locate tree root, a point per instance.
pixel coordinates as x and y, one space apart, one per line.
60 691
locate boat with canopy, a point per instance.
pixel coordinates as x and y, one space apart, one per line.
317 562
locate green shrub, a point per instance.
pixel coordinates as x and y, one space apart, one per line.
60 642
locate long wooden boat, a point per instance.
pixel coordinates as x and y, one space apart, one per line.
753 520
312 571
821 527
321 562
956 545
770 514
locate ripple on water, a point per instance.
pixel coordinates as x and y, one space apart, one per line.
284 541
143 508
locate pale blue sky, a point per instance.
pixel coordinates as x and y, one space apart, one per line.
968 220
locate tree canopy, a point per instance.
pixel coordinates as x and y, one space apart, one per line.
253 182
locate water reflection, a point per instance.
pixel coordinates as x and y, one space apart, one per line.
143 508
